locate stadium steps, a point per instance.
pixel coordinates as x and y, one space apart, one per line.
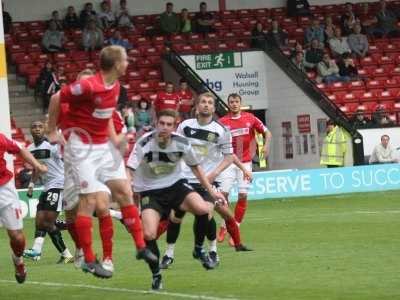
23 106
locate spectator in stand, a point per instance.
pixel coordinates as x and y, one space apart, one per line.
296 8
169 20
298 47
117 39
186 99
314 54
348 19
338 44
300 62
329 29
315 31
167 99
386 22
55 17
128 116
204 20
7 20
123 17
92 37
276 35
366 21
123 95
71 20
359 120
87 14
347 68
380 117
383 153
358 42
258 36
53 39
47 84
143 120
185 22
328 71
106 16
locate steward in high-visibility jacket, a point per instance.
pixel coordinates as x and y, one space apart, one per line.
334 146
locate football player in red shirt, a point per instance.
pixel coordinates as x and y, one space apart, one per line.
243 126
10 207
92 161
167 99
185 100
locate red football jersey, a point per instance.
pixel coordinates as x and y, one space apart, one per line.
185 97
118 121
9 146
62 117
166 101
91 105
243 133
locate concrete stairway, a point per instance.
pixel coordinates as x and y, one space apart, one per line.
22 102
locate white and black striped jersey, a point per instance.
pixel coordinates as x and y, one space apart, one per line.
210 142
50 155
156 167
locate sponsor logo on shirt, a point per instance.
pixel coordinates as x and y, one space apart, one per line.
240 131
76 89
169 101
98 100
105 113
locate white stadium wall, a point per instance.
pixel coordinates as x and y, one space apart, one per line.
22 10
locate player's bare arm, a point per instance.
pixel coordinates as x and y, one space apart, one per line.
267 142
226 162
54 112
247 175
199 173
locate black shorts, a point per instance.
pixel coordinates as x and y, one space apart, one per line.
163 200
51 200
202 192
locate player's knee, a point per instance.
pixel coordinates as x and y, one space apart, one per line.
149 234
17 236
175 220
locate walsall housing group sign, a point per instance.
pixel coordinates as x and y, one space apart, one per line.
243 73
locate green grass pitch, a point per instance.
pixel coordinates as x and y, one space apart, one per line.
342 247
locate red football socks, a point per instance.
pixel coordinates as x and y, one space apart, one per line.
106 233
233 229
162 227
131 218
74 235
240 209
18 246
83 225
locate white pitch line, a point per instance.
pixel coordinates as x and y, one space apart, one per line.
360 212
123 290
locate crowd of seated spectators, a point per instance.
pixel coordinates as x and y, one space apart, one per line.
329 49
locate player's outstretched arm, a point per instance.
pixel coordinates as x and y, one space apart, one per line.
226 162
199 173
267 143
54 112
247 175
28 157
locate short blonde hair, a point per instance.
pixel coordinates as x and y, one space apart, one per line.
85 72
205 95
109 56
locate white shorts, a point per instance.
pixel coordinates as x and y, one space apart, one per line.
234 176
88 168
11 213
